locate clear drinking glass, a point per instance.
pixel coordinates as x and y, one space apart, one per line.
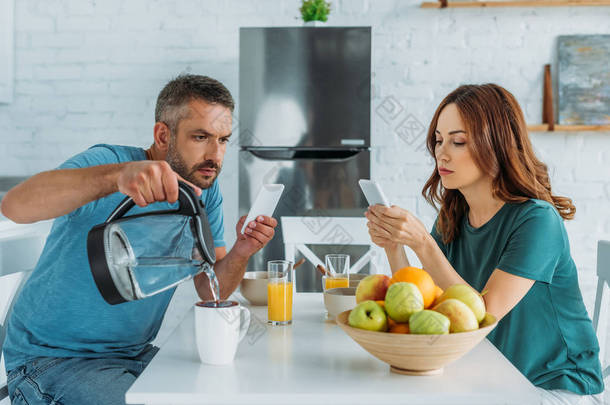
337 268
279 292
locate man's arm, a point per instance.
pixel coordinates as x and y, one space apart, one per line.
230 267
229 271
58 192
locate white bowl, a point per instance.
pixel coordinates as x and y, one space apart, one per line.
254 287
354 279
337 300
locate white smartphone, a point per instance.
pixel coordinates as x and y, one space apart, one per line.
373 192
264 203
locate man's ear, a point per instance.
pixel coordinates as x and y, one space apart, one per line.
162 136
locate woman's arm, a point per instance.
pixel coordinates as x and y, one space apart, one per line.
433 260
395 252
397 258
396 225
504 291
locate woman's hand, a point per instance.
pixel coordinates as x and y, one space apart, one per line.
378 235
395 225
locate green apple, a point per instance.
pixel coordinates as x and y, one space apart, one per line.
403 300
368 315
468 296
372 287
460 315
429 322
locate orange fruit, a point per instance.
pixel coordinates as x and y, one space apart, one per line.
382 303
421 279
399 328
437 292
391 323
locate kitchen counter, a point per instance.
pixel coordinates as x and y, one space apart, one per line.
21 244
313 361
8 182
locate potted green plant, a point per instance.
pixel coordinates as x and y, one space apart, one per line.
314 11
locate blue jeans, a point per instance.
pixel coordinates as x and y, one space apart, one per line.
76 380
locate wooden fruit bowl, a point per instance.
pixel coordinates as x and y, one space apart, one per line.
415 354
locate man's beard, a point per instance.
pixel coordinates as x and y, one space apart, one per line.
179 166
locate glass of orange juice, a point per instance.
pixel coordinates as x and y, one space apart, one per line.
337 267
279 292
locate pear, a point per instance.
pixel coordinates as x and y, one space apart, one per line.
403 300
429 322
460 315
468 296
488 320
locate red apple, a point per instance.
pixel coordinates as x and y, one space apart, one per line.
372 287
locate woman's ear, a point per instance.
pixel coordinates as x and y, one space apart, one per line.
162 136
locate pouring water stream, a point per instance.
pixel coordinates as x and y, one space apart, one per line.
213 280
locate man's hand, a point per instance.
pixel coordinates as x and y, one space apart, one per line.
230 268
256 235
149 181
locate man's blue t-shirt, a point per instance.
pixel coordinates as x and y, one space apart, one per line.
60 312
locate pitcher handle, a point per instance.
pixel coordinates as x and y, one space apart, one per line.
244 322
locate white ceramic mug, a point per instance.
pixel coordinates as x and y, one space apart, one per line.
219 329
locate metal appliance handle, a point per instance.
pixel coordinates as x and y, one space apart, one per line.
337 155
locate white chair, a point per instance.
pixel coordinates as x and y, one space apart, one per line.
20 247
603 279
297 232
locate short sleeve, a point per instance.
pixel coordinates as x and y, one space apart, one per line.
535 245
95 156
213 208
438 238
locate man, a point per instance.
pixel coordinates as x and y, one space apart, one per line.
65 344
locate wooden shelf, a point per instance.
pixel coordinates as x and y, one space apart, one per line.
569 128
529 3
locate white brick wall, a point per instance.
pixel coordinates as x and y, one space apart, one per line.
89 72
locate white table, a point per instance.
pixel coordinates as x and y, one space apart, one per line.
313 361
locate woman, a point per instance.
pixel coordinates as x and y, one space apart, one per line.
501 229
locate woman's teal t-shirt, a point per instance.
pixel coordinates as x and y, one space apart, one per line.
548 335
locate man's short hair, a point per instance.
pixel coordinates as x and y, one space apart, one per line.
173 99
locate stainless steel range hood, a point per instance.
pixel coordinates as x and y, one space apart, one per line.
304 121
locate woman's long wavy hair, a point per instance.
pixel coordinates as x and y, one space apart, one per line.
500 146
